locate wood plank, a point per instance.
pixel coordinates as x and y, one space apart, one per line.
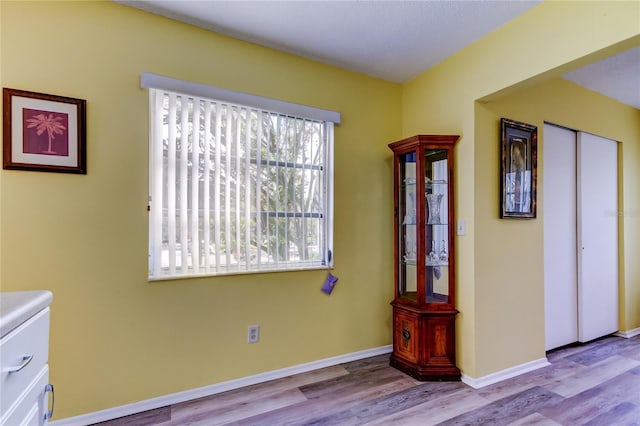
598 373
327 404
560 371
535 419
391 403
596 401
206 414
159 416
433 412
264 390
622 414
602 350
508 409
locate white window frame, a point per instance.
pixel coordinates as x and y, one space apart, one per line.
321 119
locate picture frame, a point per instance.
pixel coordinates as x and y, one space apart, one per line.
518 169
43 132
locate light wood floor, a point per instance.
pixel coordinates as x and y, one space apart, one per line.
594 384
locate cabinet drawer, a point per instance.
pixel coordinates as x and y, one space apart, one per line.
30 408
31 339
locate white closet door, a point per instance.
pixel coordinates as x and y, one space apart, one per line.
560 254
597 236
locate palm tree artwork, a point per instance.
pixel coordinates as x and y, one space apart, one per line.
50 122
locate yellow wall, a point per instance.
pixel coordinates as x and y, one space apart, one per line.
552 38
509 275
117 339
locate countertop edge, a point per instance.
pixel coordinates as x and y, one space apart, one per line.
17 307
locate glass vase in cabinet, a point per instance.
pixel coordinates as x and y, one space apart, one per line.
424 312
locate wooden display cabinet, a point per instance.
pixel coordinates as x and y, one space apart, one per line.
424 312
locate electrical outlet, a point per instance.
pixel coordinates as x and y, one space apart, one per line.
253 336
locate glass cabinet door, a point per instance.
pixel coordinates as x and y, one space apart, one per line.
408 238
436 173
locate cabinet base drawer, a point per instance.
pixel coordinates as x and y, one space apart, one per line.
29 409
23 354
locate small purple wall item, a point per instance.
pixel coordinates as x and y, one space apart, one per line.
329 283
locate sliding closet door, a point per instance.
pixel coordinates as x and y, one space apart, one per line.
597 236
560 254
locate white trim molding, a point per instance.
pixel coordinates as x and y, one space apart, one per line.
508 373
156 81
176 398
628 334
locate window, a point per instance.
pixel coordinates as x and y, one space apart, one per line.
236 187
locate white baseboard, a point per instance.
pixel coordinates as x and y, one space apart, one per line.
499 376
629 333
176 398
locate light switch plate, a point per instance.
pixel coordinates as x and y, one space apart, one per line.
460 227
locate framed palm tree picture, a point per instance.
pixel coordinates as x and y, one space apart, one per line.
43 132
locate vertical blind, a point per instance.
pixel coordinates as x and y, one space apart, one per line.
235 189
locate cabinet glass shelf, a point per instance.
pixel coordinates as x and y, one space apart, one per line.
413 261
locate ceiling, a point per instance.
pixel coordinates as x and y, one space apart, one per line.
395 40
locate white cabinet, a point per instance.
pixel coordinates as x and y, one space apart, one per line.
25 391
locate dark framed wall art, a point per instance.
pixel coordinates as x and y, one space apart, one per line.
43 132
518 170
